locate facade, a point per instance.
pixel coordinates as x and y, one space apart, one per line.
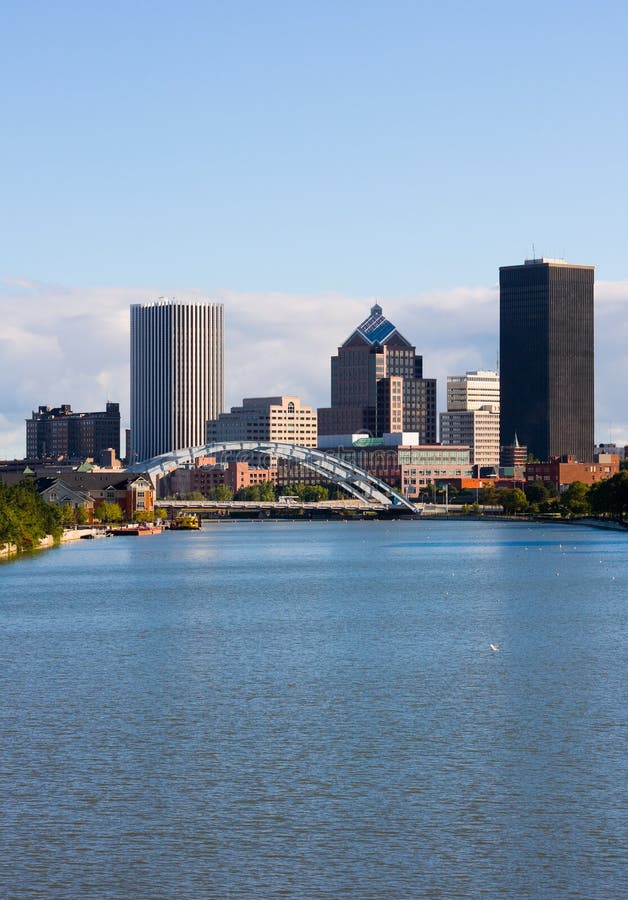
478 429
206 478
131 492
282 419
546 353
472 416
54 491
177 375
513 456
377 384
400 461
564 471
475 390
58 433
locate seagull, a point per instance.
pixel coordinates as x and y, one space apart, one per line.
495 648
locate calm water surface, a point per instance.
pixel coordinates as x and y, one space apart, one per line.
304 710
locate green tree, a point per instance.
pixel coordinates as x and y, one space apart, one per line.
489 496
513 501
109 512
142 515
610 497
250 493
315 493
67 515
222 493
539 491
575 500
267 491
25 517
81 516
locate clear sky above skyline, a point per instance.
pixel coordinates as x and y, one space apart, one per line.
355 146
297 160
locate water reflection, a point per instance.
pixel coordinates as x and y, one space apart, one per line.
313 710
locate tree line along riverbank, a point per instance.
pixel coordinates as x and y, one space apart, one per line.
26 519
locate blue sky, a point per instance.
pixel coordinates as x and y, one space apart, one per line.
349 150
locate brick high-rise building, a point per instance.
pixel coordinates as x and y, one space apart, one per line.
546 357
58 433
377 385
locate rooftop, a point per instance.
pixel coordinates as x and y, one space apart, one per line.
376 328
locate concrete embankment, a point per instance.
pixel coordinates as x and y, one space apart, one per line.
9 551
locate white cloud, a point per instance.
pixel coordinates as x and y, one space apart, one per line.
62 344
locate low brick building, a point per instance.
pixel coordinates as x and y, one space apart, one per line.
209 475
563 471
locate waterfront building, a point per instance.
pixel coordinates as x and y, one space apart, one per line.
546 357
133 493
282 419
177 375
400 460
57 433
55 491
209 474
377 384
472 416
563 471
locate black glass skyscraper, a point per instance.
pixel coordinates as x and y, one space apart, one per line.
546 358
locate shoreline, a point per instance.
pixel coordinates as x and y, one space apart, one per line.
10 552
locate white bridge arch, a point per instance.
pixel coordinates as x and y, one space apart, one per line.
347 476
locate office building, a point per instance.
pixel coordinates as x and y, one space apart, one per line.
177 375
546 357
400 460
282 419
57 433
377 384
472 416
475 390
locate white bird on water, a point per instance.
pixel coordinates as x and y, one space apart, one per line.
495 647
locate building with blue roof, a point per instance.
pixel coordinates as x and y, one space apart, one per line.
377 384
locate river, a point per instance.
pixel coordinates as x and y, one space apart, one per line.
313 710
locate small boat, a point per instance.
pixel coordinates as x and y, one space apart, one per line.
186 522
135 530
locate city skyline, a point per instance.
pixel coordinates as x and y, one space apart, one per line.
70 344
299 163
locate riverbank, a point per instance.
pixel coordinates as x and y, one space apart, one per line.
11 551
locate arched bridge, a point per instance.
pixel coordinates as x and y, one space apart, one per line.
347 476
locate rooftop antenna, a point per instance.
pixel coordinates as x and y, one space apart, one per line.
533 252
